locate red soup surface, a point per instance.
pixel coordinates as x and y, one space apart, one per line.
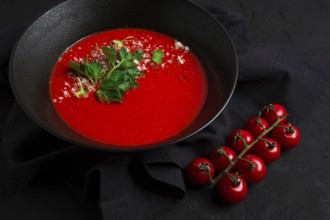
170 95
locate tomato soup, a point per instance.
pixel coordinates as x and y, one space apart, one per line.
167 96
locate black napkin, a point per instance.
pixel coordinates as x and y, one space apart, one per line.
145 185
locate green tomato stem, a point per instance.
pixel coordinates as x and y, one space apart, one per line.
222 152
234 179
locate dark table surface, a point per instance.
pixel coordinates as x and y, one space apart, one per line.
303 23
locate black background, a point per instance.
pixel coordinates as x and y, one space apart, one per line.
300 184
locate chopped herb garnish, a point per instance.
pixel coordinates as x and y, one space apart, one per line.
157 56
116 75
110 53
90 70
138 54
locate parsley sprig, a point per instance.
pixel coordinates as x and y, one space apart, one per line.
113 77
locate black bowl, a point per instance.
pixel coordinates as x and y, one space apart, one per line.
43 42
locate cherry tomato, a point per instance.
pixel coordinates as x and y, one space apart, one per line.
252 168
221 157
256 126
287 135
200 171
235 140
232 188
267 149
272 112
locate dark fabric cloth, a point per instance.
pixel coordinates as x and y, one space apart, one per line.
146 184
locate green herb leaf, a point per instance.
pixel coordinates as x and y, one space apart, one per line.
94 70
121 81
109 52
91 70
108 96
138 55
157 56
80 68
134 73
127 64
75 66
111 95
123 53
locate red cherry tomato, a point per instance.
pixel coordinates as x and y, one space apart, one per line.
235 140
232 188
287 136
253 171
267 149
256 126
200 171
221 157
272 112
